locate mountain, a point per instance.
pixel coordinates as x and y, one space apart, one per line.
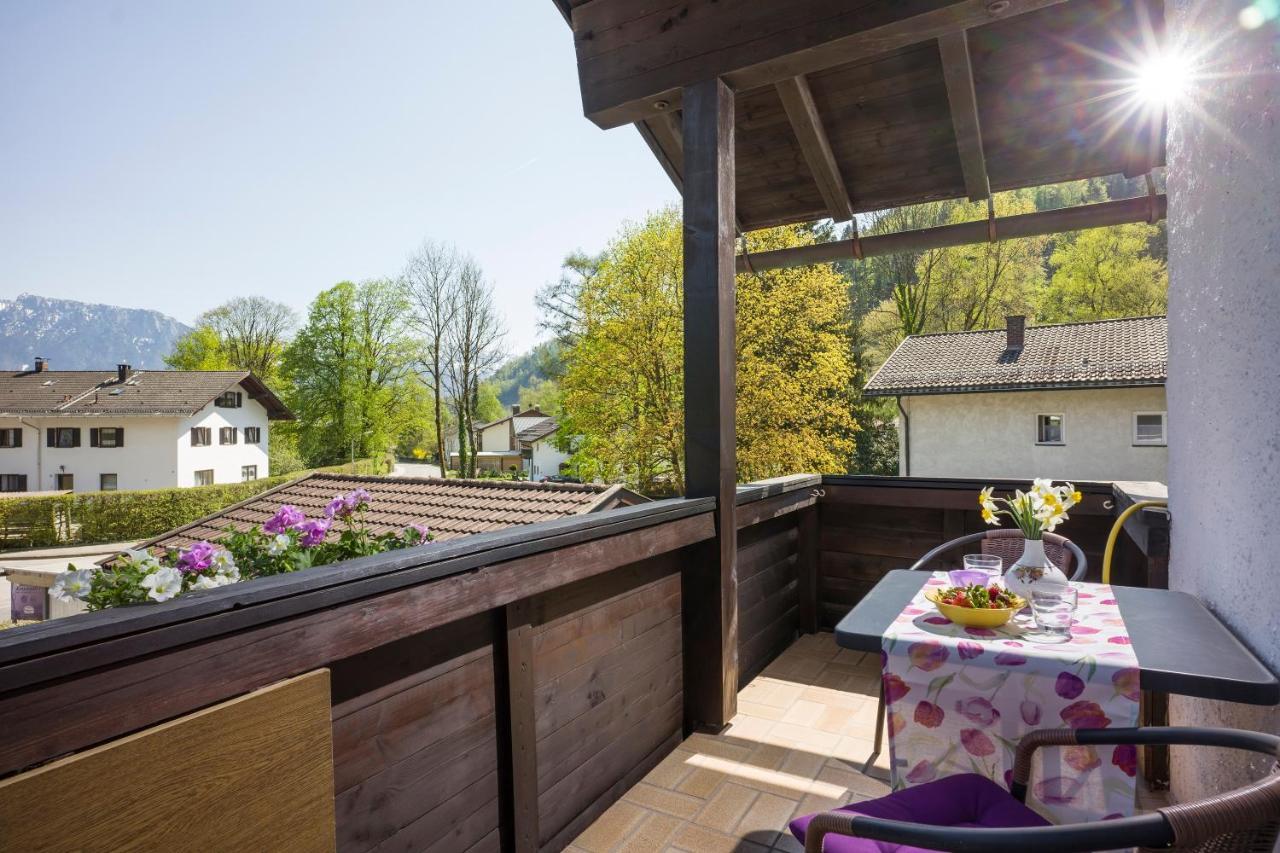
83 336
526 372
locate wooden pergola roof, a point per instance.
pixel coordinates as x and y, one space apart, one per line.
856 106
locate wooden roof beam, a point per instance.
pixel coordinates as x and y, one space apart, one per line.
1150 208
957 70
797 100
663 136
634 59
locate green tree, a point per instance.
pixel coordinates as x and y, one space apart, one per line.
623 395
351 369
199 349
244 333
1105 272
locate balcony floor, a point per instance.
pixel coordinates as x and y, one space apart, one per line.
803 730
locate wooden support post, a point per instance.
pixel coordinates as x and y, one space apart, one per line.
517 736
807 568
711 578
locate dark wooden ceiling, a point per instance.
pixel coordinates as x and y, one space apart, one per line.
820 137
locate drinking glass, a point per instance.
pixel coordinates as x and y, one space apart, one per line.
1054 609
989 564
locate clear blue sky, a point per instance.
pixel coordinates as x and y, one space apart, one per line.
172 155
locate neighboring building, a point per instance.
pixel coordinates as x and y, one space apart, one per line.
88 430
1079 401
523 440
450 508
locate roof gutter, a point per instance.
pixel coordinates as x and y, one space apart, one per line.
906 438
994 389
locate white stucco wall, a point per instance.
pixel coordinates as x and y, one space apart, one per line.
225 460
994 435
147 460
546 459
496 437
1224 385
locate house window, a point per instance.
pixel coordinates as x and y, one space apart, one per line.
227 435
253 435
1149 428
248 472
11 437
1049 430
201 436
63 437
107 482
229 400
205 477
106 437
13 482
65 482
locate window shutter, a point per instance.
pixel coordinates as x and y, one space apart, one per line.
93 437
51 439
119 436
239 399
75 437
17 437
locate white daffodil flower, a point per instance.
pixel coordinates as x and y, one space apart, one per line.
164 583
72 585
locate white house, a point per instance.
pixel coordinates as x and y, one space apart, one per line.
1076 401
523 440
88 431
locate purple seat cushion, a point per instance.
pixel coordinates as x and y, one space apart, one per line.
965 800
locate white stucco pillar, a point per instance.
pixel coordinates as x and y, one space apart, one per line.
1224 342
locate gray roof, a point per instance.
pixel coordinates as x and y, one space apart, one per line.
81 393
1105 353
541 429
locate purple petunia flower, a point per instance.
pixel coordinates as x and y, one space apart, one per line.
286 517
420 529
336 508
344 506
197 558
312 532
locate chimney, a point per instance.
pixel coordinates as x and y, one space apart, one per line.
123 371
1015 331
515 409
42 364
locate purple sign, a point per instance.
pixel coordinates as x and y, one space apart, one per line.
27 603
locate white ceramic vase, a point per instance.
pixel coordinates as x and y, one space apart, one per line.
1031 569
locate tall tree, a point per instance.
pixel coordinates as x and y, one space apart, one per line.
559 302
1106 272
244 333
431 281
475 350
351 368
623 394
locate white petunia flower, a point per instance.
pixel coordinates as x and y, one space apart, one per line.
214 581
143 558
279 544
164 583
72 585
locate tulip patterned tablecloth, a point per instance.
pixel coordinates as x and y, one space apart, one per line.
960 698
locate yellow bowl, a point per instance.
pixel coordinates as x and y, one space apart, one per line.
974 618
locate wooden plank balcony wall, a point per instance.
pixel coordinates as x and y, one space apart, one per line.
871 525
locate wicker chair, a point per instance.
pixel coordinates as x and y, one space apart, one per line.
1006 544
1246 820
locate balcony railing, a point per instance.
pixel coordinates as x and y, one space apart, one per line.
500 691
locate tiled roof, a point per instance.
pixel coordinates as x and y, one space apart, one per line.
1105 353
541 429
77 393
451 508
532 412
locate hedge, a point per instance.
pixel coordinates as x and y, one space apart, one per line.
89 518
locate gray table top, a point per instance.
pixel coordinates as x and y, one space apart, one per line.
1181 647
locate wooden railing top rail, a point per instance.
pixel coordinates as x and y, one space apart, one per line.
257 602
1149 528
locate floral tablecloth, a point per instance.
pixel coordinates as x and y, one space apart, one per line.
960 698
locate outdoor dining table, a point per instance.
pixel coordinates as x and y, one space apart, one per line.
1178 646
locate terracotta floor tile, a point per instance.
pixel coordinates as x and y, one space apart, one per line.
759 710
787 843
724 810
682 806
652 834
611 828
672 770
768 814
804 712
698 839
701 783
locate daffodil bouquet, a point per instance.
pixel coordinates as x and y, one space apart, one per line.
1035 512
